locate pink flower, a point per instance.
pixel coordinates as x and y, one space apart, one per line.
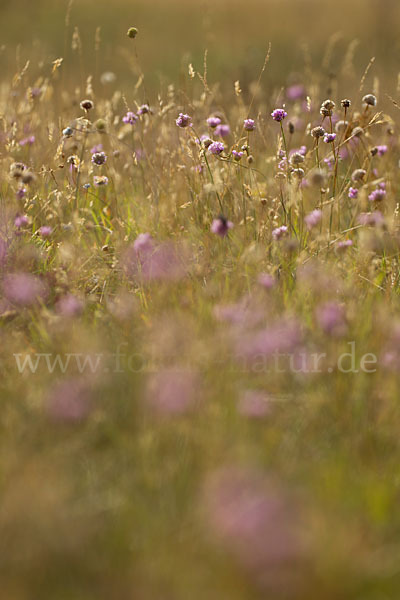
172 392
24 289
254 404
69 401
221 226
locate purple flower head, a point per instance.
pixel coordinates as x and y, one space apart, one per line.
373 219
20 221
130 118
341 246
237 155
69 306
377 195
150 261
329 138
382 149
280 232
253 518
143 243
331 318
21 193
183 121
144 109
313 218
266 280
216 148
296 92
249 124
222 130
172 392
28 141
99 158
24 289
69 401
353 193
221 226
45 231
213 122
278 114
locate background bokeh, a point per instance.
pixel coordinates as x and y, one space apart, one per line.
305 35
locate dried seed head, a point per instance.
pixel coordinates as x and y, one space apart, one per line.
318 132
299 172
370 100
328 104
346 103
296 158
28 177
16 170
86 105
374 151
132 32
358 174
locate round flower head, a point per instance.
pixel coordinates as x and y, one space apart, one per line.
130 118
99 158
249 124
353 193
341 246
370 100
327 108
358 174
144 109
377 195
222 130
382 150
221 226
278 114
216 148
183 121
279 232
296 158
318 132
132 32
237 155
20 221
45 231
213 122
329 138
313 218
68 132
346 103
86 105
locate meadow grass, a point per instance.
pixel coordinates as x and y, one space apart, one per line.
200 331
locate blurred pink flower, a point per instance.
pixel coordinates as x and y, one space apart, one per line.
69 306
254 404
172 392
254 518
24 289
69 400
150 261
